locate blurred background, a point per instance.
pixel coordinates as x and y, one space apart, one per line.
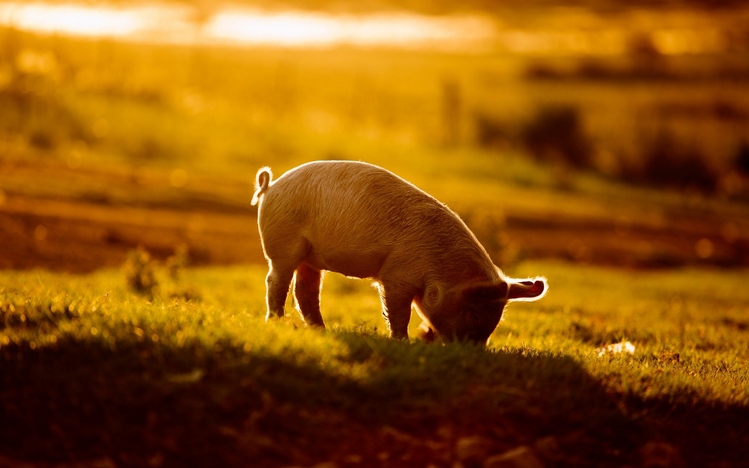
593 131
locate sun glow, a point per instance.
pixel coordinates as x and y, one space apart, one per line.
70 19
315 29
242 26
281 29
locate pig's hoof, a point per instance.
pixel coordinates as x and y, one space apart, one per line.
425 333
273 317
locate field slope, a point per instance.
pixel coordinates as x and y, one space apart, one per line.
95 374
622 179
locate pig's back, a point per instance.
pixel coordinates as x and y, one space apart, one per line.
353 194
355 216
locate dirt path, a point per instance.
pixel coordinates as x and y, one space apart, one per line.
80 237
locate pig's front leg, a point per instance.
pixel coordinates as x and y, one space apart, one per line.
307 283
277 288
396 308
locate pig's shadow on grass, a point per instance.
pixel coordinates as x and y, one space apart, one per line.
514 398
147 403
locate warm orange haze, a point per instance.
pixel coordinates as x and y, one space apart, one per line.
601 146
643 97
247 26
687 33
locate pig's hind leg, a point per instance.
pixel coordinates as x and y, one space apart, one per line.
277 288
307 282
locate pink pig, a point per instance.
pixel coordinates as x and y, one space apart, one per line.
363 221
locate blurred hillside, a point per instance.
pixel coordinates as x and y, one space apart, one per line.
599 133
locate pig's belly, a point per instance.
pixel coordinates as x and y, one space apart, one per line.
357 263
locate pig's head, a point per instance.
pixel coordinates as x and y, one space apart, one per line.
471 313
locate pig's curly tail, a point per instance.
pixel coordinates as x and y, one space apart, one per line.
262 182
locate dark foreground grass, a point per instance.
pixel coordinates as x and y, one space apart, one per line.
95 374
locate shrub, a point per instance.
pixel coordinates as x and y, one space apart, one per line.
140 272
668 163
741 162
556 135
177 262
489 131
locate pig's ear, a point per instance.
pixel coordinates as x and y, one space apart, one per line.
527 289
486 292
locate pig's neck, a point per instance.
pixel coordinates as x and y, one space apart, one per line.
464 261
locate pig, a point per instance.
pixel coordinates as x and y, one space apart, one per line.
363 221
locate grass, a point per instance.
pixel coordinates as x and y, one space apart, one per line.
95 372
108 145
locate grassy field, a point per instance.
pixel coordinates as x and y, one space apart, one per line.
636 212
95 373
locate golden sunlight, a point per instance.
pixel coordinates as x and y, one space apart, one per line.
242 26
71 19
317 29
